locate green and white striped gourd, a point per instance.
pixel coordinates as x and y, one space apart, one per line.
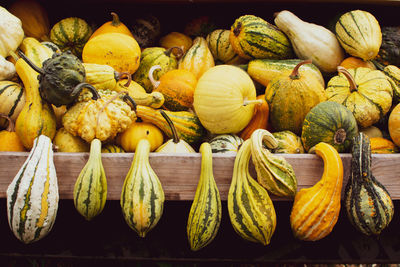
225 143
250 208
205 213
142 196
90 190
221 48
12 99
32 196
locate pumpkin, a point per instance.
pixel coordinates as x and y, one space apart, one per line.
117 50
71 34
329 122
288 142
12 99
225 143
366 93
65 142
115 25
221 48
355 62
177 86
174 39
9 140
146 29
259 120
394 125
291 97
229 106
11 32
381 145
389 50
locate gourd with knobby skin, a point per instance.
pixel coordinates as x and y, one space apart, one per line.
226 143
9 140
368 204
316 209
66 142
115 25
12 99
206 209
32 196
90 189
142 196
259 120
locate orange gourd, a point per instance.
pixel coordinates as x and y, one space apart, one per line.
176 39
259 119
380 145
9 140
355 62
115 25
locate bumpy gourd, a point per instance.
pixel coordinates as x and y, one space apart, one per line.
205 213
142 196
250 208
32 196
368 204
90 189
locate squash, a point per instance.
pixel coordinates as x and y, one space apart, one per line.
12 99
9 140
34 18
115 25
90 188
359 33
369 207
329 122
65 142
394 125
142 196
101 76
251 210
221 48
146 29
206 209
229 106
32 195
71 34
355 62
371 131
112 148
117 50
225 143
252 37
381 145
178 39
392 72
288 143
177 86
259 120
366 93
11 32
198 58
174 145
7 69
291 97
389 50
316 209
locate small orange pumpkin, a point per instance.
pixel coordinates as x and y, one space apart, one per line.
115 25
176 39
259 119
9 140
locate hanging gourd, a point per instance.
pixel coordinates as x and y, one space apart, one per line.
9 140
115 25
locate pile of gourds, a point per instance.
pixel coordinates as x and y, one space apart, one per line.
303 89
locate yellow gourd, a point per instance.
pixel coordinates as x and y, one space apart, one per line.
115 25
9 140
137 131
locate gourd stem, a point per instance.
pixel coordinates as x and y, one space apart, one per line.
30 63
151 77
237 29
295 73
11 126
349 77
175 136
169 51
130 100
79 87
115 19
251 102
119 75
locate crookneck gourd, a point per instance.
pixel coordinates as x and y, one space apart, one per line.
205 213
250 208
316 209
142 196
32 196
273 171
367 202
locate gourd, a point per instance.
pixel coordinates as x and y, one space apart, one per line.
32 195
174 145
368 205
199 26
206 209
221 48
90 188
225 143
355 62
259 120
311 41
394 125
381 145
112 148
366 93
251 210
389 51
34 18
217 112
177 86
359 33
117 50
65 142
186 123
37 116
11 31
115 25
146 30
9 140
316 209
198 59
392 72
291 97
71 34
12 99
176 39
142 196
274 173
371 131
7 69
252 37
102 77
288 143
329 122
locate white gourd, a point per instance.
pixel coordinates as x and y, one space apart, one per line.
7 69
11 32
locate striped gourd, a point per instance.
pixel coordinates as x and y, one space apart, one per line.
367 202
111 148
102 76
273 171
12 99
71 34
90 189
221 48
32 196
359 33
205 213
252 37
225 143
250 208
393 74
142 196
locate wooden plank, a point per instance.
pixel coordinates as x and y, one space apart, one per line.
179 173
